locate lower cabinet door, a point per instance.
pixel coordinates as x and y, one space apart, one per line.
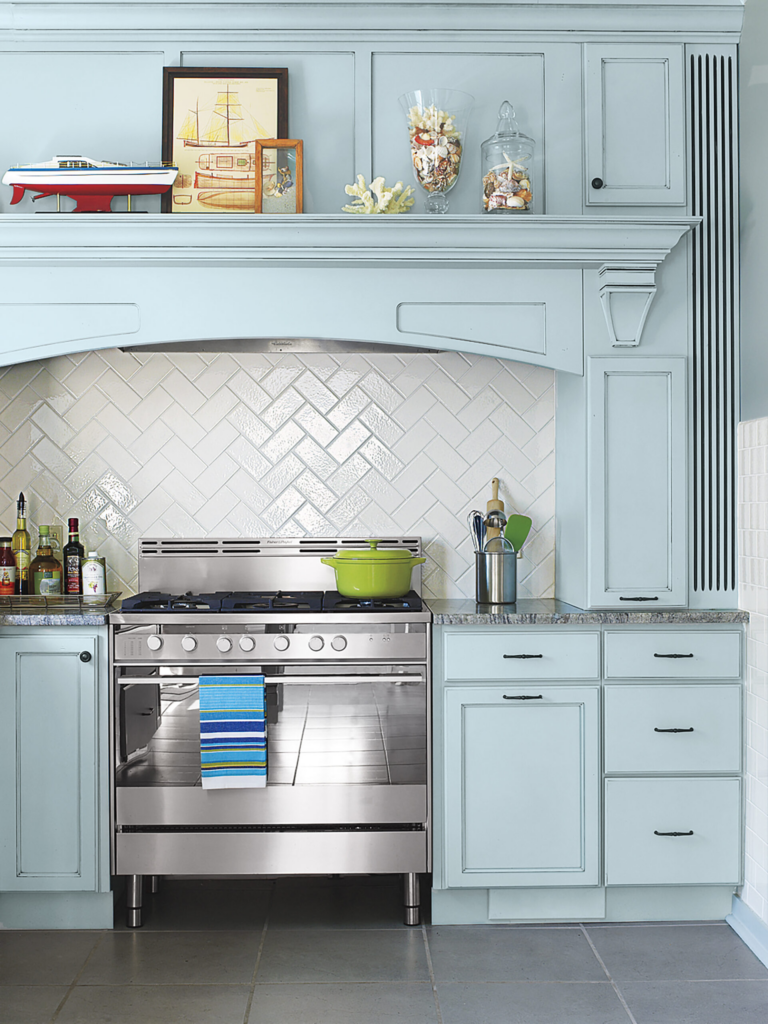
672 831
48 748
521 785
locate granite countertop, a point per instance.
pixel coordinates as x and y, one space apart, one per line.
547 612
52 619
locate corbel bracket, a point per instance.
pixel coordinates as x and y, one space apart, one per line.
626 295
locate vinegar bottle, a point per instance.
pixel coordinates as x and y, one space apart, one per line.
45 570
22 547
73 556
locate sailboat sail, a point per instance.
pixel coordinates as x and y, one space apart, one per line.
227 125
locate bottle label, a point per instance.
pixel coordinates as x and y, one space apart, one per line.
7 579
73 574
93 576
23 561
48 582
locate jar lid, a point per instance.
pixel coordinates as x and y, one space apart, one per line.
373 554
44 531
6 540
507 126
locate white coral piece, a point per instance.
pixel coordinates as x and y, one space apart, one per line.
387 200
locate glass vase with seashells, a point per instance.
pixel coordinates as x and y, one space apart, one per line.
437 122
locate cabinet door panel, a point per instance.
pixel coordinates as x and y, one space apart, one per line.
637 469
635 125
521 786
48 802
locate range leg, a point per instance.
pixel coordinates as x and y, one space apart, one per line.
411 898
154 880
134 901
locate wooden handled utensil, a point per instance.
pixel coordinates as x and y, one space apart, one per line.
493 526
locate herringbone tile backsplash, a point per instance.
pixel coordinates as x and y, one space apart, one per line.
156 445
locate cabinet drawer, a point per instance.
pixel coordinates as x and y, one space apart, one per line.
673 654
637 809
641 724
510 654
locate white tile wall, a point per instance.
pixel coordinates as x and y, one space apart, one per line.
753 597
150 444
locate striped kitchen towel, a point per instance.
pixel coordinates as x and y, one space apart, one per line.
233 732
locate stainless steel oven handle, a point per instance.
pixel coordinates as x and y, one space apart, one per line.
330 680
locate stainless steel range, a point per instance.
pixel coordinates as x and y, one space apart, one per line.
347 686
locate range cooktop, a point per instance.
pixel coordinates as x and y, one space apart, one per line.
224 602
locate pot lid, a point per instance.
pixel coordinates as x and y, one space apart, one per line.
373 554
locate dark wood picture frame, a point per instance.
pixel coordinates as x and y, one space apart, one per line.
298 183
172 75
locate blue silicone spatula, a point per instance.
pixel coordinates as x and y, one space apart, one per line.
517 529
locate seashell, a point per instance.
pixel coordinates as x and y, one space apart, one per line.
515 202
525 183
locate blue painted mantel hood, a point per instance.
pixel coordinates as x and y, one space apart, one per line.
486 285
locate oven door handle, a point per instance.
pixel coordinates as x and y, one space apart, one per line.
331 679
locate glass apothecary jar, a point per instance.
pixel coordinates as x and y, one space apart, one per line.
507 162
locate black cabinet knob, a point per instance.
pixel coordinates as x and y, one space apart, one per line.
85 655
597 183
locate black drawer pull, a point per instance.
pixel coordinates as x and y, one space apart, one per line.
638 599
85 656
673 730
524 696
597 183
673 655
673 833
523 655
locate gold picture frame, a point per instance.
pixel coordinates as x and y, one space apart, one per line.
279 166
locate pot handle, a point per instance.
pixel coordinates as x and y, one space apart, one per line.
329 561
418 561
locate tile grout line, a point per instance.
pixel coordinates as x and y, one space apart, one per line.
600 960
75 980
431 973
258 958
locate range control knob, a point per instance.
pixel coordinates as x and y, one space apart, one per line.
224 644
154 642
339 643
316 643
247 643
188 643
281 643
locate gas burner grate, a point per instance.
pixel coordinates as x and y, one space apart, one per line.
333 601
154 601
273 601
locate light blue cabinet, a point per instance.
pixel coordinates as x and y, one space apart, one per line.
637 518
522 785
53 739
635 125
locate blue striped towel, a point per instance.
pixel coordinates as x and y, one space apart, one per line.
233 732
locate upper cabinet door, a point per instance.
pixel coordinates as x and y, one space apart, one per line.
635 125
637 483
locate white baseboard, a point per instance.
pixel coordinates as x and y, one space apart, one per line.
749 927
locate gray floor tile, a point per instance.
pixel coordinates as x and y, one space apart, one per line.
173 958
29 1004
393 1003
360 906
531 1003
675 953
697 1002
156 1004
177 907
344 955
498 954
43 958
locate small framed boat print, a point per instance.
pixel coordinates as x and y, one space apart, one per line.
279 176
211 119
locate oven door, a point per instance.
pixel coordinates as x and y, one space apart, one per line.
347 775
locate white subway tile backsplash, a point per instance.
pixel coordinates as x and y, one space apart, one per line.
753 597
162 444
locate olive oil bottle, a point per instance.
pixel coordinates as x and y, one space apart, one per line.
45 570
22 548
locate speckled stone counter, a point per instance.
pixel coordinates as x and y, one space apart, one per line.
51 619
550 612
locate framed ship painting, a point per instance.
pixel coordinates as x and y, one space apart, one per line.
211 119
279 175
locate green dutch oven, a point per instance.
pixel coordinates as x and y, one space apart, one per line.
373 573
